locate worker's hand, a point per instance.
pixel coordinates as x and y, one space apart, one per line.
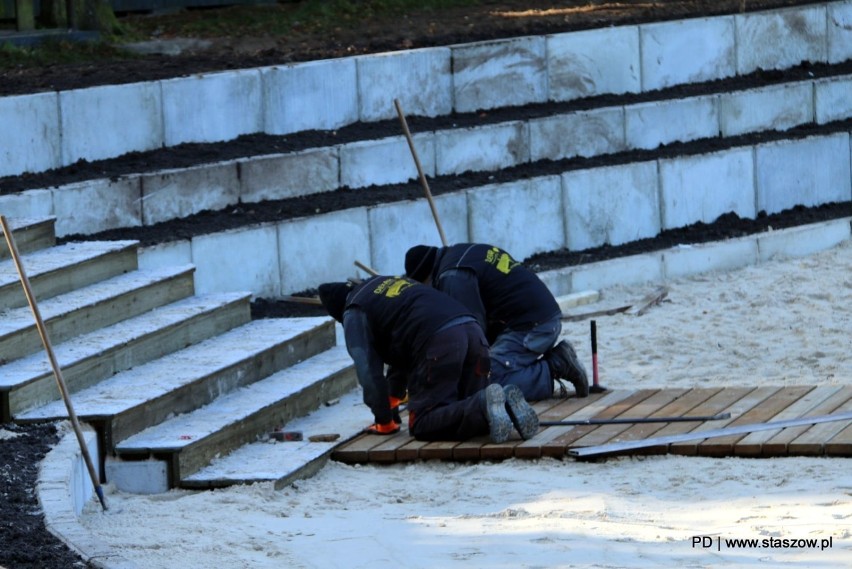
388 428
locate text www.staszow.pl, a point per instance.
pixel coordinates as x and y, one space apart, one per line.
706 542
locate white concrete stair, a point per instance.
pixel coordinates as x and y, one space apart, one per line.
146 395
89 358
242 416
30 234
64 268
91 307
285 462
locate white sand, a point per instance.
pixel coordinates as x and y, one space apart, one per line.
780 323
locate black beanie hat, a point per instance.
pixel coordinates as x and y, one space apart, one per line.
333 298
419 261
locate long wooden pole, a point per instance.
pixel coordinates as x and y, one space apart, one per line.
423 182
57 372
365 268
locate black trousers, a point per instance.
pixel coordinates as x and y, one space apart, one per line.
444 390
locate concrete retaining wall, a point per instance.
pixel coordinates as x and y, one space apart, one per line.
160 196
104 122
578 210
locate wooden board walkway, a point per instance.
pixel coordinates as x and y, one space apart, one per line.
747 405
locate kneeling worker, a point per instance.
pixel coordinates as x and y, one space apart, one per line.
432 345
519 314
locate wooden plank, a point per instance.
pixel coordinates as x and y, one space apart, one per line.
564 409
608 433
648 301
469 450
738 408
410 451
840 444
385 451
358 450
764 412
752 444
812 442
680 407
722 401
558 446
778 444
438 450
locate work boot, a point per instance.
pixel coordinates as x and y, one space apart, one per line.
499 422
563 363
522 415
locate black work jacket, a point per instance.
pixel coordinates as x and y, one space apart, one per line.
503 293
401 315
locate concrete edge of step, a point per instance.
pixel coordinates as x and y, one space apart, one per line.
63 489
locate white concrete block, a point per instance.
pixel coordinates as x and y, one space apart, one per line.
244 259
839 31
322 248
593 62
523 217
108 121
481 149
394 228
178 193
635 269
321 95
802 241
584 133
687 51
421 79
810 171
703 187
385 161
280 176
31 203
501 73
597 201
138 476
173 253
98 205
558 281
778 107
728 255
649 125
30 140
212 108
779 39
833 99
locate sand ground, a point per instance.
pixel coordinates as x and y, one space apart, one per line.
785 322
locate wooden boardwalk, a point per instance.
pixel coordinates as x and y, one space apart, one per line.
747 406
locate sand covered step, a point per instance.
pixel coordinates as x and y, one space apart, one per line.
64 268
193 439
90 358
91 307
284 462
30 234
146 395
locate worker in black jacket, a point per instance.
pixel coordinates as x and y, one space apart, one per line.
433 347
521 317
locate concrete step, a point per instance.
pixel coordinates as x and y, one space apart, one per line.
89 358
92 307
64 268
284 462
188 442
30 234
146 395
